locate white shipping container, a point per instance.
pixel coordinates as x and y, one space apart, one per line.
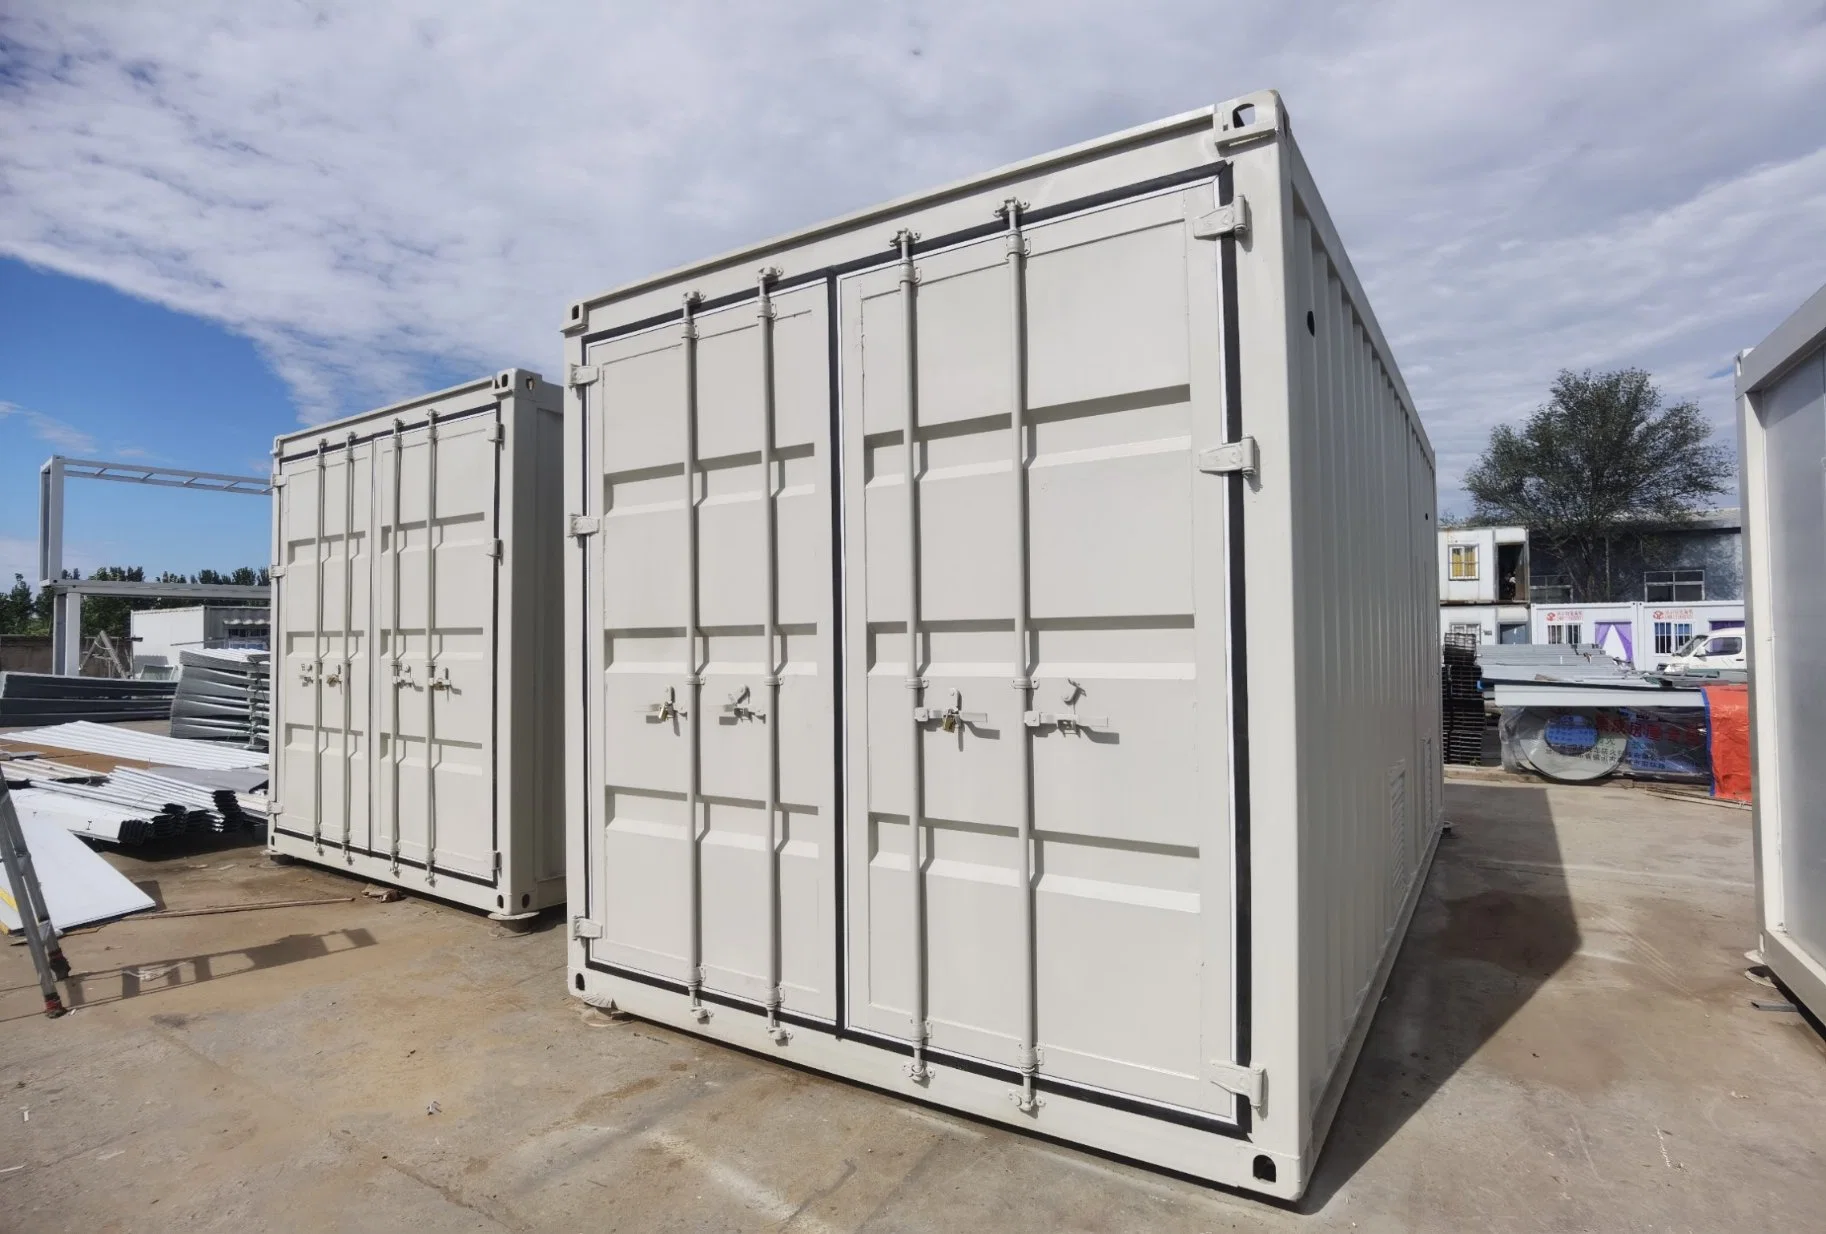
1781 387
416 676
1121 848
1640 634
160 635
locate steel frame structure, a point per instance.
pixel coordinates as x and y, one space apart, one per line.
67 594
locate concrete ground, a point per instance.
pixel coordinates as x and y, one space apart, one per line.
1567 1044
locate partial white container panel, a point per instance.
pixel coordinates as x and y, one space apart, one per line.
416 707
954 717
1782 426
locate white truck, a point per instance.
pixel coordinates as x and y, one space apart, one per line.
1719 653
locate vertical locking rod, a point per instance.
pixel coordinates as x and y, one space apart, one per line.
393 751
317 660
431 647
278 642
694 702
916 685
773 655
1023 682
348 656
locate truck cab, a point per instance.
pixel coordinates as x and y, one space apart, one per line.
1708 655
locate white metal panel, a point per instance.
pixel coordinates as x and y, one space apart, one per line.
1131 833
687 722
93 738
323 634
159 633
1782 421
1366 595
403 661
79 884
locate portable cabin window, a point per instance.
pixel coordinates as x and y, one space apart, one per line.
1567 634
1464 563
1551 589
1673 586
1670 635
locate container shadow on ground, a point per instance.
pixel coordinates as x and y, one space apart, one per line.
1478 950
91 989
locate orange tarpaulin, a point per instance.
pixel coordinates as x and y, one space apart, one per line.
1728 728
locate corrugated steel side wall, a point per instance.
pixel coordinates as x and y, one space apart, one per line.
1366 595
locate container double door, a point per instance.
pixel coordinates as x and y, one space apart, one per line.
1114 710
387 610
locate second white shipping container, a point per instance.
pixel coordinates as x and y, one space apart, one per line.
416 662
1781 386
1076 768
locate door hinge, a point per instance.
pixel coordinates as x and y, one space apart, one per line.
278 479
1230 220
497 864
497 432
1236 456
583 927
584 525
497 550
1249 1082
581 375
276 572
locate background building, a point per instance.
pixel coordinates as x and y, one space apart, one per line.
1680 579
1484 582
1690 561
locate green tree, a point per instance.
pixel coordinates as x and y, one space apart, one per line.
21 612
1593 472
111 613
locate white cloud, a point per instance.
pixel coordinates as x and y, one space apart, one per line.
366 189
18 556
60 434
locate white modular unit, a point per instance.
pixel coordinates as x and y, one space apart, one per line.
417 721
1781 387
1640 634
1661 629
160 635
1483 565
1609 626
1119 846
1492 623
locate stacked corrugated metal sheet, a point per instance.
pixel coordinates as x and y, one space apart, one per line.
221 696
189 788
40 698
1461 700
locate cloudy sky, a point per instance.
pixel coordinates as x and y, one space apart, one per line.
382 195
